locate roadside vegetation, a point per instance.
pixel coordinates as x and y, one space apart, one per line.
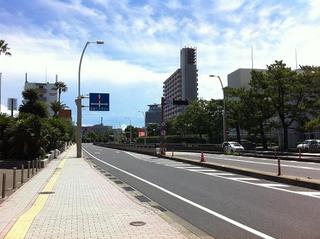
33 133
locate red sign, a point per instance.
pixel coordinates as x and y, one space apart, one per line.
141 133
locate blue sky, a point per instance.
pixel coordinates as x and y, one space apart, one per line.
142 43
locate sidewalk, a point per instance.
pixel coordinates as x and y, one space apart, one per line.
79 202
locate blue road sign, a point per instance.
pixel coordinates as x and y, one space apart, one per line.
99 102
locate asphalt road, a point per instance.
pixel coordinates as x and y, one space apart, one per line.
222 204
290 168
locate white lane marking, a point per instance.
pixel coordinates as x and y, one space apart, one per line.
216 214
220 175
271 185
189 167
246 179
205 170
199 170
316 194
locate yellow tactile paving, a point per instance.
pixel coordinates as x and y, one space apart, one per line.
22 225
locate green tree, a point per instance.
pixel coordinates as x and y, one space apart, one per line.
234 109
56 106
153 130
32 104
61 87
134 132
26 138
5 122
214 110
4 48
287 93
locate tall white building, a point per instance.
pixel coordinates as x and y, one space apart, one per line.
182 84
48 92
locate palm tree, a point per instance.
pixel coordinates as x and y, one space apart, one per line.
4 48
56 107
61 87
31 104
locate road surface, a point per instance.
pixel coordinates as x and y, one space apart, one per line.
225 205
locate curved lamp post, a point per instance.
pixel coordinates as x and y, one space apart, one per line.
225 138
79 104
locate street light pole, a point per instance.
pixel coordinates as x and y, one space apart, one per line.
225 137
79 104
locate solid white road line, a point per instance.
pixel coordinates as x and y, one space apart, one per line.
218 215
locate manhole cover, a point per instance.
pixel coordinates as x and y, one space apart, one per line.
46 192
137 223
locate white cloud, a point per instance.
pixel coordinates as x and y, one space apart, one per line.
230 5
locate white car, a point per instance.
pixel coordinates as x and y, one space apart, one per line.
309 144
232 147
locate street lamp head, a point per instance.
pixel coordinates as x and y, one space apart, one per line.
99 42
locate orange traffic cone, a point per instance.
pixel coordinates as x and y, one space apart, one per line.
202 158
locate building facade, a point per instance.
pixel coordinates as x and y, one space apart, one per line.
48 92
153 115
182 84
241 78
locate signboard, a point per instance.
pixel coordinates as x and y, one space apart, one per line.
141 133
12 104
99 102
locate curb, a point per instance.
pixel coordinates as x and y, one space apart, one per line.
295 181
268 156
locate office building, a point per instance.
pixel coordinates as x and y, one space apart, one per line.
153 115
241 78
182 84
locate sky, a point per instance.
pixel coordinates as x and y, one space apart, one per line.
142 46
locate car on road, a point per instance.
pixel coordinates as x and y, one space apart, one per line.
248 145
309 145
232 147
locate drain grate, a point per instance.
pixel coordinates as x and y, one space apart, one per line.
128 188
118 182
113 178
159 208
143 198
137 223
108 174
46 192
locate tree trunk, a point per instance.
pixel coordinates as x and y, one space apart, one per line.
238 133
285 137
263 137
